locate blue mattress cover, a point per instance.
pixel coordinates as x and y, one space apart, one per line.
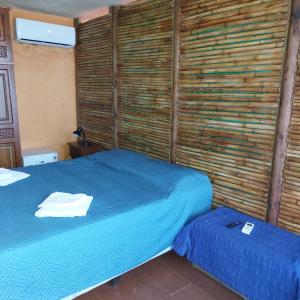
262 266
139 206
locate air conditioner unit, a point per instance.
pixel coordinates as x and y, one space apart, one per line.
35 32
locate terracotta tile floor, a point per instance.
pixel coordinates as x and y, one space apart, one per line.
167 277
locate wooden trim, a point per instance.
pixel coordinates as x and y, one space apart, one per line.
12 87
76 22
284 113
175 76
76 25
13 95
114 19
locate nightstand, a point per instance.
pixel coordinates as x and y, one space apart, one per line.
78 150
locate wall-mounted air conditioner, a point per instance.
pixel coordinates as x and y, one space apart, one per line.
35 32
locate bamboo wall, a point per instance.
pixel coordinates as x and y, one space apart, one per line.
144 35
214 105
94 80
289 213
229 87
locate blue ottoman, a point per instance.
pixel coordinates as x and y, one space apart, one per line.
264 265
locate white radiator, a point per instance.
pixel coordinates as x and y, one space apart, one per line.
39 156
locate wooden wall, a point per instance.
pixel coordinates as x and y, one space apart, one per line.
144 37
94 79
229 87
289 214
198 82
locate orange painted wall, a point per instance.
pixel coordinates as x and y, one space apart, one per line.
46 90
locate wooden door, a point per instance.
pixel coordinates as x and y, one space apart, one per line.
5 37
9 130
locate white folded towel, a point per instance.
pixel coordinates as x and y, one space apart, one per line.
9 176
64 205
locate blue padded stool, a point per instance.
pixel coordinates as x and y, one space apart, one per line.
264 265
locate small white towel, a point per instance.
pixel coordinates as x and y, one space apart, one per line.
9 176
64 205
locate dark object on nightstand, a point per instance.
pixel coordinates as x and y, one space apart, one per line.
80 134
77 149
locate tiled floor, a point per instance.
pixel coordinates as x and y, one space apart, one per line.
167 277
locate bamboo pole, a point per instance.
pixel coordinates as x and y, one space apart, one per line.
175 76
284 113
114 18
76 24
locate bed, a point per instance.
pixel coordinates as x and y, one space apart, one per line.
139 206
264 265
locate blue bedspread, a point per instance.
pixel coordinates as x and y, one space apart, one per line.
262 266
139 206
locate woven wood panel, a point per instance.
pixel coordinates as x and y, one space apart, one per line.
6 133
94 80
144 60
289 214
229 84
3 51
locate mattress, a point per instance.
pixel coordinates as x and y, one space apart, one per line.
139 206
262 265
